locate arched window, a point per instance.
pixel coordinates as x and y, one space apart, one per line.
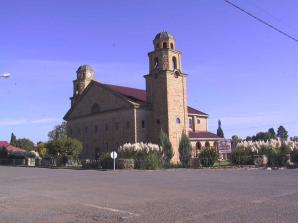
174 63
156 63
198 148
207 145
178 120
164 45
172 46
215 145
95 109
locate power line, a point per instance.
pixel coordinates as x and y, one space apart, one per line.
262 21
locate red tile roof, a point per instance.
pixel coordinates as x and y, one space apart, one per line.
203 135
139 95
3 144
10 148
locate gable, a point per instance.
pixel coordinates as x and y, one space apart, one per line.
97 98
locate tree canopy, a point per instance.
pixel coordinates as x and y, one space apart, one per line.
184 150
282 133
58 131
25 144
220 132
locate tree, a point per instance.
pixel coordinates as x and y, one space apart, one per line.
282 133
184 150
13 139
25 144
57 132
65 148
272 133
236 139
220 132
166 146
41 149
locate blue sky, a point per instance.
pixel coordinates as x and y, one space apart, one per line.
239 70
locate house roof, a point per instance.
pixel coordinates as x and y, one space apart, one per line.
3 144
203 135
139 95
10 148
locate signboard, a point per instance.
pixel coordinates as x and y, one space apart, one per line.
224 146
113 155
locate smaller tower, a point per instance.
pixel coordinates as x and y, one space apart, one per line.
85 74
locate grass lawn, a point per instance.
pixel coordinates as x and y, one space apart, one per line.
224 163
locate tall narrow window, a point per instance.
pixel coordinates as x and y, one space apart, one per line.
156 63
174 63
172 46
164 45
178 120
143 124
190 123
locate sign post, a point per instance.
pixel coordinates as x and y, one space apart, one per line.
114 156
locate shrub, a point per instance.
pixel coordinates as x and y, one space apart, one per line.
208 157
184 150
3 153
294 155
242 156
64 148
106 161
166 147
146 155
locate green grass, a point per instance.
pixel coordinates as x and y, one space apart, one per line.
224 163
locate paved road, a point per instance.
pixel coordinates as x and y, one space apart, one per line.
30 195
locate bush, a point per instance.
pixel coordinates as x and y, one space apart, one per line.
242 156
184 150
294 155
146 155
106 161
166 147
3 153
208 157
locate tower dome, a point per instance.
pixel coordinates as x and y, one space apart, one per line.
164 40
85 72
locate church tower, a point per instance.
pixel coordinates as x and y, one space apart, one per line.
85 74
166 91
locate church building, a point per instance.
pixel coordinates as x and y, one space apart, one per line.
104 116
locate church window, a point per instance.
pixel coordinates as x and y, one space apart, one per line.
156 63
143 124
190 123
172 46
174 60
164 45
158 121
198 121
95 109
178 120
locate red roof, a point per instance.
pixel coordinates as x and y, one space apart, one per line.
3 144
203 135
139 95
10 148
